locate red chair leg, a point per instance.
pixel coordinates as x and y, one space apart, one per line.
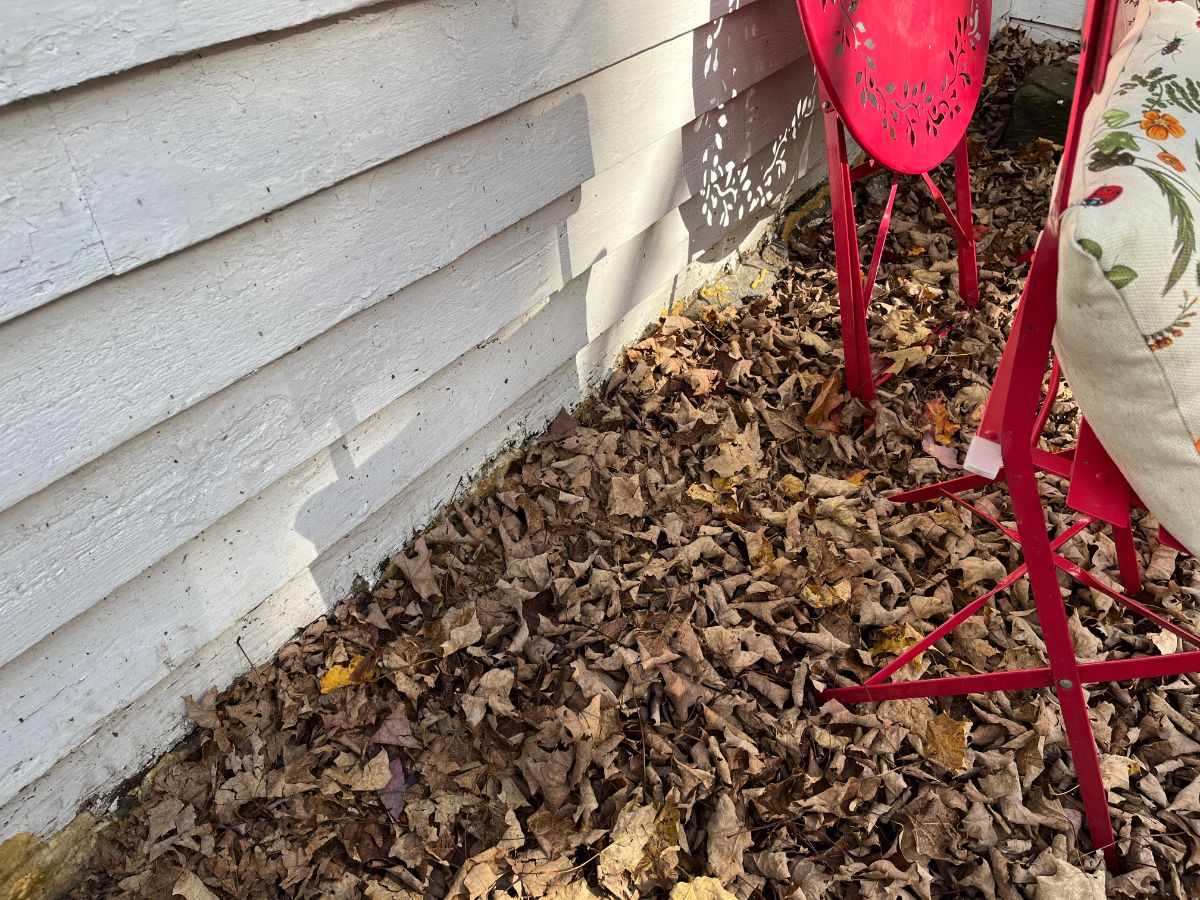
968 264
856 349
1127 559
1032 349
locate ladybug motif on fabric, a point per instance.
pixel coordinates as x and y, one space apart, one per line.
1102 196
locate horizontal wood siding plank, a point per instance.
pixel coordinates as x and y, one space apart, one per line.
52 44
84 374
224 573
1064 14
71 544
168 157
49 244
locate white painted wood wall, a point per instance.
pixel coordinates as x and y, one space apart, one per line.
1059 19
277 277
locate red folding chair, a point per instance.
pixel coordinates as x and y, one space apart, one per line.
1009 434
904 79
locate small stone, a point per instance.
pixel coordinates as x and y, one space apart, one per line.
1042 106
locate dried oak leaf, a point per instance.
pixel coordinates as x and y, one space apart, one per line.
728 840
419 570
625 496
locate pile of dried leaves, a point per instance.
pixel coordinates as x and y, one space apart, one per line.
600 679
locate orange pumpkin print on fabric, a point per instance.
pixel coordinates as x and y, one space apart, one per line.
1160 125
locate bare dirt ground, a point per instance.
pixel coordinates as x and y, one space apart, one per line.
599 678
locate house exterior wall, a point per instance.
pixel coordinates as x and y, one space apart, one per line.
1045 19
278 279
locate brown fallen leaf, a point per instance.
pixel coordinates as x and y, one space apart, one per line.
943 429
392 793
946 741
1070 883
703 888
820 416
190 887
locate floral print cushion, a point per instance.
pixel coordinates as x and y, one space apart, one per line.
1128 330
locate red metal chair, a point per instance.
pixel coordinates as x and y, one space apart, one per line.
903 78
1009 433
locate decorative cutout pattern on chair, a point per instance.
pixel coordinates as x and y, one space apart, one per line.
1129 280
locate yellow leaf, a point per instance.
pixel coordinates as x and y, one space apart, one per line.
896 639
705 494
939 418
946 741
792 487
765 554
820 596
726 485
345 676
857 477
762 276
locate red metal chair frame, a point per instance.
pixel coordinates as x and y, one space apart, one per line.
904 80
1097 490
854 292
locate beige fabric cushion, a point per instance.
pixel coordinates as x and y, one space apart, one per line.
1128 329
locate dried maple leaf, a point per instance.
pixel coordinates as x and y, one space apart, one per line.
623 854
728 839
946 741
625 496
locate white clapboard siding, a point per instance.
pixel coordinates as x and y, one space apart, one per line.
86 373
67 546
313 520
81 540
169 156
1060 19
584 309
46 45
49 244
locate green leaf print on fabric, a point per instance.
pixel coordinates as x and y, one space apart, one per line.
1120 276
1184 220
1115 118
1091 247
